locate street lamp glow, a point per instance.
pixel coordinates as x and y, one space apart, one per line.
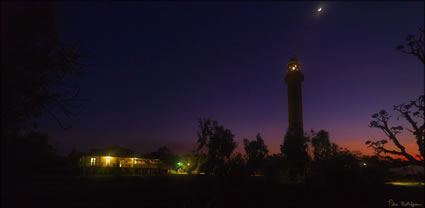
319 9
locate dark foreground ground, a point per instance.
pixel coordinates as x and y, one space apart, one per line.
198 191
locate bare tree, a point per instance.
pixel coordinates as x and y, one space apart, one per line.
37 66
415 46
410 112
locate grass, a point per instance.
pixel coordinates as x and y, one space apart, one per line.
197 191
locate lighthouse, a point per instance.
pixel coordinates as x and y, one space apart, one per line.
293 79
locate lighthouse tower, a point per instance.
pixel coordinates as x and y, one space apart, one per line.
293 79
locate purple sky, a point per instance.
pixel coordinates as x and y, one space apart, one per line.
159 67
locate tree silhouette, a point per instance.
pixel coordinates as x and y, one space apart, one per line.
275 164
322 147
333 164
342 168
199 162
35 64
415 109
73 162
33 150
191 162
410 111
165 155
236 165
220 143
294 149
416 46
256 151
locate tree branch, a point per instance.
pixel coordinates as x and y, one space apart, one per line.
382 123
404 154
57 119
405 114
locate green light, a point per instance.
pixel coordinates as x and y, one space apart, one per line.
364 164
179 163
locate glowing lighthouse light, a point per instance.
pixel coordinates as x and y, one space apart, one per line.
293 67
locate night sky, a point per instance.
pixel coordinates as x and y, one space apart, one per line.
156 68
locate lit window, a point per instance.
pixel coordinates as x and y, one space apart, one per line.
108 161
93 161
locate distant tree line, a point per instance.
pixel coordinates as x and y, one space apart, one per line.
308 157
